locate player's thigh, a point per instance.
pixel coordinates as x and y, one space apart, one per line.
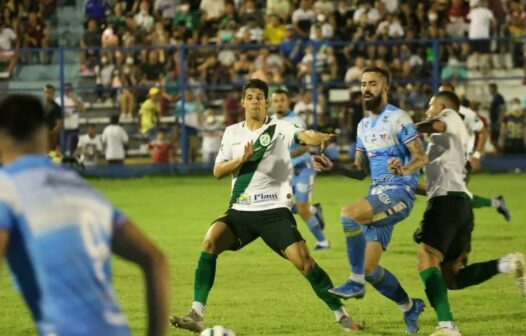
277 228
390 206
229 232
299 256
360 210
373 254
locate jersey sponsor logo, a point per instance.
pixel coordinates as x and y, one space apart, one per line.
265 197
387 153
384 198
264 140
385 136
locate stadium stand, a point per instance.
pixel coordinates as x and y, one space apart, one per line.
317 46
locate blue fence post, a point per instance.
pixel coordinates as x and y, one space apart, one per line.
62 108
314 83
182 89
436 65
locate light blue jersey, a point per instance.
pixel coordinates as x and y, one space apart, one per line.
59 248
391 196
304 173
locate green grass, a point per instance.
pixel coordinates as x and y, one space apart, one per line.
258 293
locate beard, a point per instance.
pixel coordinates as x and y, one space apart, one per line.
373 104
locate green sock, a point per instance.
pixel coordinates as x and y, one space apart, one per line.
477 273
321 283
480 202
204 276
436 292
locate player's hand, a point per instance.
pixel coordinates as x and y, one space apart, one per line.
475 164
248 153
321 163
395 166
327 138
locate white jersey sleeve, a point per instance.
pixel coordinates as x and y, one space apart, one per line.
471 120
225 151
289 131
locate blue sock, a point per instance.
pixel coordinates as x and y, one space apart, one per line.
315 228
355 241
386 283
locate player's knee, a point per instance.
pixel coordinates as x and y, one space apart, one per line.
352 212
210 246
307 265
349 224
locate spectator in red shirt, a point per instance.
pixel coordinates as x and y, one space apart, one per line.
36 34
160 148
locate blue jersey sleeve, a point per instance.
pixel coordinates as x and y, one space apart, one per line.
359 143
7 218
404 128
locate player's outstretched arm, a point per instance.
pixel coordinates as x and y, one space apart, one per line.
354 170
431 126
131 244
223 169
315 138
418 160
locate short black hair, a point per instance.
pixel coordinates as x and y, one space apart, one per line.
255 84
114 119
451 97
50 87
385 74
282 91
21 115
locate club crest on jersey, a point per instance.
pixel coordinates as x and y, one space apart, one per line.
264 139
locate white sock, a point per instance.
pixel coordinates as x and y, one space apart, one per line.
313 210
495 203
359 278
406 306
504 264
446 324
199 308
323 242
339 313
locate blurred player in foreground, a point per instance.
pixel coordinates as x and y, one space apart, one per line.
57 234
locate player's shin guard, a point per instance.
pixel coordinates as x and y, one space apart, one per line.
204 276
321 283
386 283
436 292
355 242
476 273
315 228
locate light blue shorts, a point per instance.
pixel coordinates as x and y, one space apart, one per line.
302 183
390 206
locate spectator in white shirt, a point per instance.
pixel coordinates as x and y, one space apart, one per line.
303 18
73 105
115 139
481 21
143 19
8 40
366 9
90 147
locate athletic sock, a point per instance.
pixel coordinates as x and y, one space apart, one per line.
355 243
199 308
321 283
387 284
315 228
481 202
476 273
436 292
204 276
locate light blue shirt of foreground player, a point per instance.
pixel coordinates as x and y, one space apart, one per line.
384 137
59 249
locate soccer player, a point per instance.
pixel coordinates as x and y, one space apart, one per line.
444 236
57 233
256 152
478 135
387 134
304 174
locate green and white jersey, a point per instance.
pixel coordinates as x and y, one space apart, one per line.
448 154
263 182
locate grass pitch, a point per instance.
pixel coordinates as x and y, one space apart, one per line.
258 293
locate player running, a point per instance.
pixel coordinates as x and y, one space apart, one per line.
444 236
57 234
478 135
256 152
387 134
304 174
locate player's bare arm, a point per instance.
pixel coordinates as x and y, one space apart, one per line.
315 138
299 151
421 189
355 170
131 244
431 126
482 137
418 159
223 169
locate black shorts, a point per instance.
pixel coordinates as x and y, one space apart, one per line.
481 46
447 225
277 227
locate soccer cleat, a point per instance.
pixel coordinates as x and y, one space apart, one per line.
191 321
349 290
348 324
502 209
321 247
411 316
517 271
450 329
319 215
